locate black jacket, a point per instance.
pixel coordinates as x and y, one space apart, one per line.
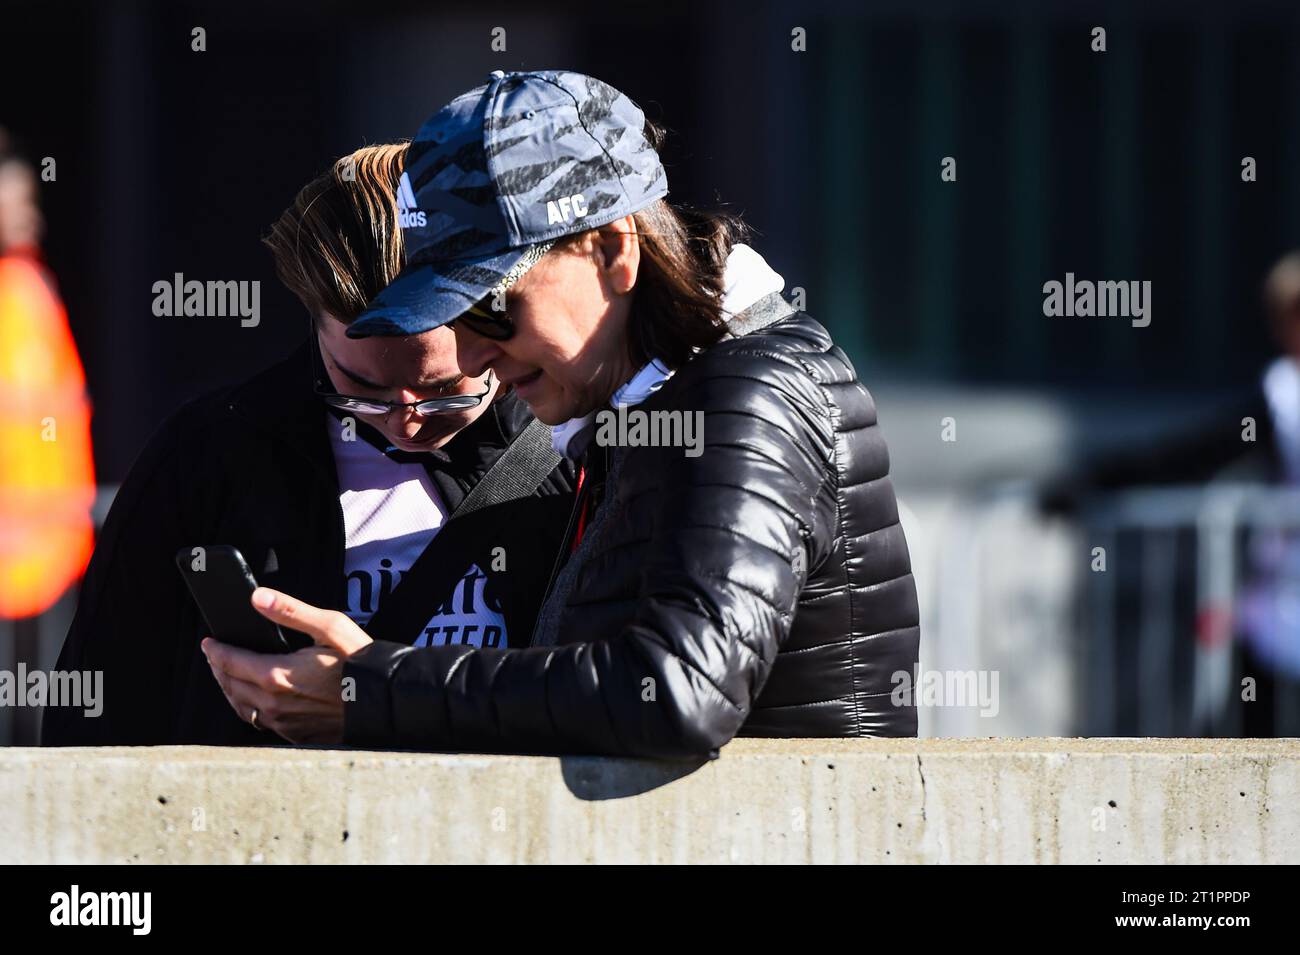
252 466
762 588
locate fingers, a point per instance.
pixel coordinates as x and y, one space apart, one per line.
326 627
262 669
291 612
292 716
311 673
245 698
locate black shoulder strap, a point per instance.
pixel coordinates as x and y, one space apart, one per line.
516 474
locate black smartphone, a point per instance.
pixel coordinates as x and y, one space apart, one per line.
221 583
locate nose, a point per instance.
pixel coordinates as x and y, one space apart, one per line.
474 353
407 422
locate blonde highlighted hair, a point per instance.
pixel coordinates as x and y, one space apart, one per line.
340 243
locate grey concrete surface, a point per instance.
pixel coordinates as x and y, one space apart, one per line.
832 801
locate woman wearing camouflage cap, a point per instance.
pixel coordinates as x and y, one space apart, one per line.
734 564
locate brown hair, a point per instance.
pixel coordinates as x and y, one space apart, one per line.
677 306
339 244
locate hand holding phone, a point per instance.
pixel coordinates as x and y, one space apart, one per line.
222 585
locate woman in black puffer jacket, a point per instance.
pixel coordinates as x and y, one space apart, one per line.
749 578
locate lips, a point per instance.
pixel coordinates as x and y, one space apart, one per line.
422 444
523 383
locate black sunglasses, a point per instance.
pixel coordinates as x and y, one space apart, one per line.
376 406
482 319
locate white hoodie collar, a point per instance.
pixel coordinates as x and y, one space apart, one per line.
747 279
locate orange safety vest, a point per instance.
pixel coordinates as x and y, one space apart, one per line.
47 472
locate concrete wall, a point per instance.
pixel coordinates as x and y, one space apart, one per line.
882 801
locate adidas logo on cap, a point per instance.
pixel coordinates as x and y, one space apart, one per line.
409 215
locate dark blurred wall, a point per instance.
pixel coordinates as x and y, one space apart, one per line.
1122 165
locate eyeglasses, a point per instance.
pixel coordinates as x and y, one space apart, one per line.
376 406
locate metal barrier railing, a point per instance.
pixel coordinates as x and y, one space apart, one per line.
1165 609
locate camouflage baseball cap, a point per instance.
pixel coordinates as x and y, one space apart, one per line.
500 172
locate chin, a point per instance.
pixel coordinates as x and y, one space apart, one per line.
546 417
552 412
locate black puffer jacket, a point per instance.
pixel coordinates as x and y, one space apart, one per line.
762 588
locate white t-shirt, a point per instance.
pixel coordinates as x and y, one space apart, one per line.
391 510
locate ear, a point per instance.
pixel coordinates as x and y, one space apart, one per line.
618 248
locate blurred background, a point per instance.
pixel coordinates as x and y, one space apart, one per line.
1088 525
